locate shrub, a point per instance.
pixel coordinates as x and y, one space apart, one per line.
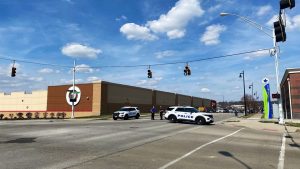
36 115
15 118
1 116
11 116
45 115
63 115
58 115
5 118
20 115
52 115
29 115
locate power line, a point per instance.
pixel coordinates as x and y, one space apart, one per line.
141 65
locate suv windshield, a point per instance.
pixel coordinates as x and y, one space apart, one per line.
192 110
124 109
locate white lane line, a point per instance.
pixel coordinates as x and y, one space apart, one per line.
198 148
282 152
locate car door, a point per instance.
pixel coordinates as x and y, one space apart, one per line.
180 113
188 114
131 112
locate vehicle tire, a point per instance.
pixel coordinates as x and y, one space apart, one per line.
172 119
200 121
137 116
115 118
126 117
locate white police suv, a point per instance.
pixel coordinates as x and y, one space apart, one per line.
187 113
127 112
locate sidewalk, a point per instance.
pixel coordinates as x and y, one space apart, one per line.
255 122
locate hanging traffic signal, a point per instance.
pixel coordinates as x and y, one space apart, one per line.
187 70
279 30
149 73
287 4
13 71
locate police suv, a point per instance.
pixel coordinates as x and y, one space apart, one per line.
127 112
187 113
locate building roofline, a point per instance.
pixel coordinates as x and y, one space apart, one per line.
287 72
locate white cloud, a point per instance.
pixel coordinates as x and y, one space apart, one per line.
212 34
214 8
174 22
257 55
150 82
123 17
46 70
77 50
37 79
205 90
292 23
263 10
133 31
64 81
163 54
93 79
83 68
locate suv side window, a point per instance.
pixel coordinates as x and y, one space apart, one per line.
131 109
189 110
180 109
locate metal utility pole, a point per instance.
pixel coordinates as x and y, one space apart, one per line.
275 51
242 75
73 107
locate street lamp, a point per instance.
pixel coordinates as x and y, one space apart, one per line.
242 75
274 52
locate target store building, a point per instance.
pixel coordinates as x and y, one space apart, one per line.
93 99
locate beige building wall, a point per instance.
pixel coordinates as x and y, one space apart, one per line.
165 98
184 100
96 109
21 101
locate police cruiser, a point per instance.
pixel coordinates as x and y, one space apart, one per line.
187 113
127 112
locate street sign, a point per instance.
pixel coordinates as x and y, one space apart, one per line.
275 95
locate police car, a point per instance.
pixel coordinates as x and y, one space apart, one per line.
187 113
127 112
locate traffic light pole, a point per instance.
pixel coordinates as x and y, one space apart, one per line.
280 121
276 54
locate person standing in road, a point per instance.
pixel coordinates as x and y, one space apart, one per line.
161 112
153 110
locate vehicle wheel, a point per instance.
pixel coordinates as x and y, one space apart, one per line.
137 116
115 118
200 121
126 117
173 119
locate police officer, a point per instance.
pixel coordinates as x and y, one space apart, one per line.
153 110
161 112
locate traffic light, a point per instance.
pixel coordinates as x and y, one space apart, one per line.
287 4
149 73
187 70
13 71
279 30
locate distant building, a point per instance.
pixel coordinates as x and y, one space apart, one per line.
101 98
290 93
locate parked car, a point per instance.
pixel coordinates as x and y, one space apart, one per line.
126 113
187 113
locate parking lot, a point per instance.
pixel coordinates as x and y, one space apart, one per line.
141 143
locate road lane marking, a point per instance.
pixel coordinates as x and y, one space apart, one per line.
282 152
198 148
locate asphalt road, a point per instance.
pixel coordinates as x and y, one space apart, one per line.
141 144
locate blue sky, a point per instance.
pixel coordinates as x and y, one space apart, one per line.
99 33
